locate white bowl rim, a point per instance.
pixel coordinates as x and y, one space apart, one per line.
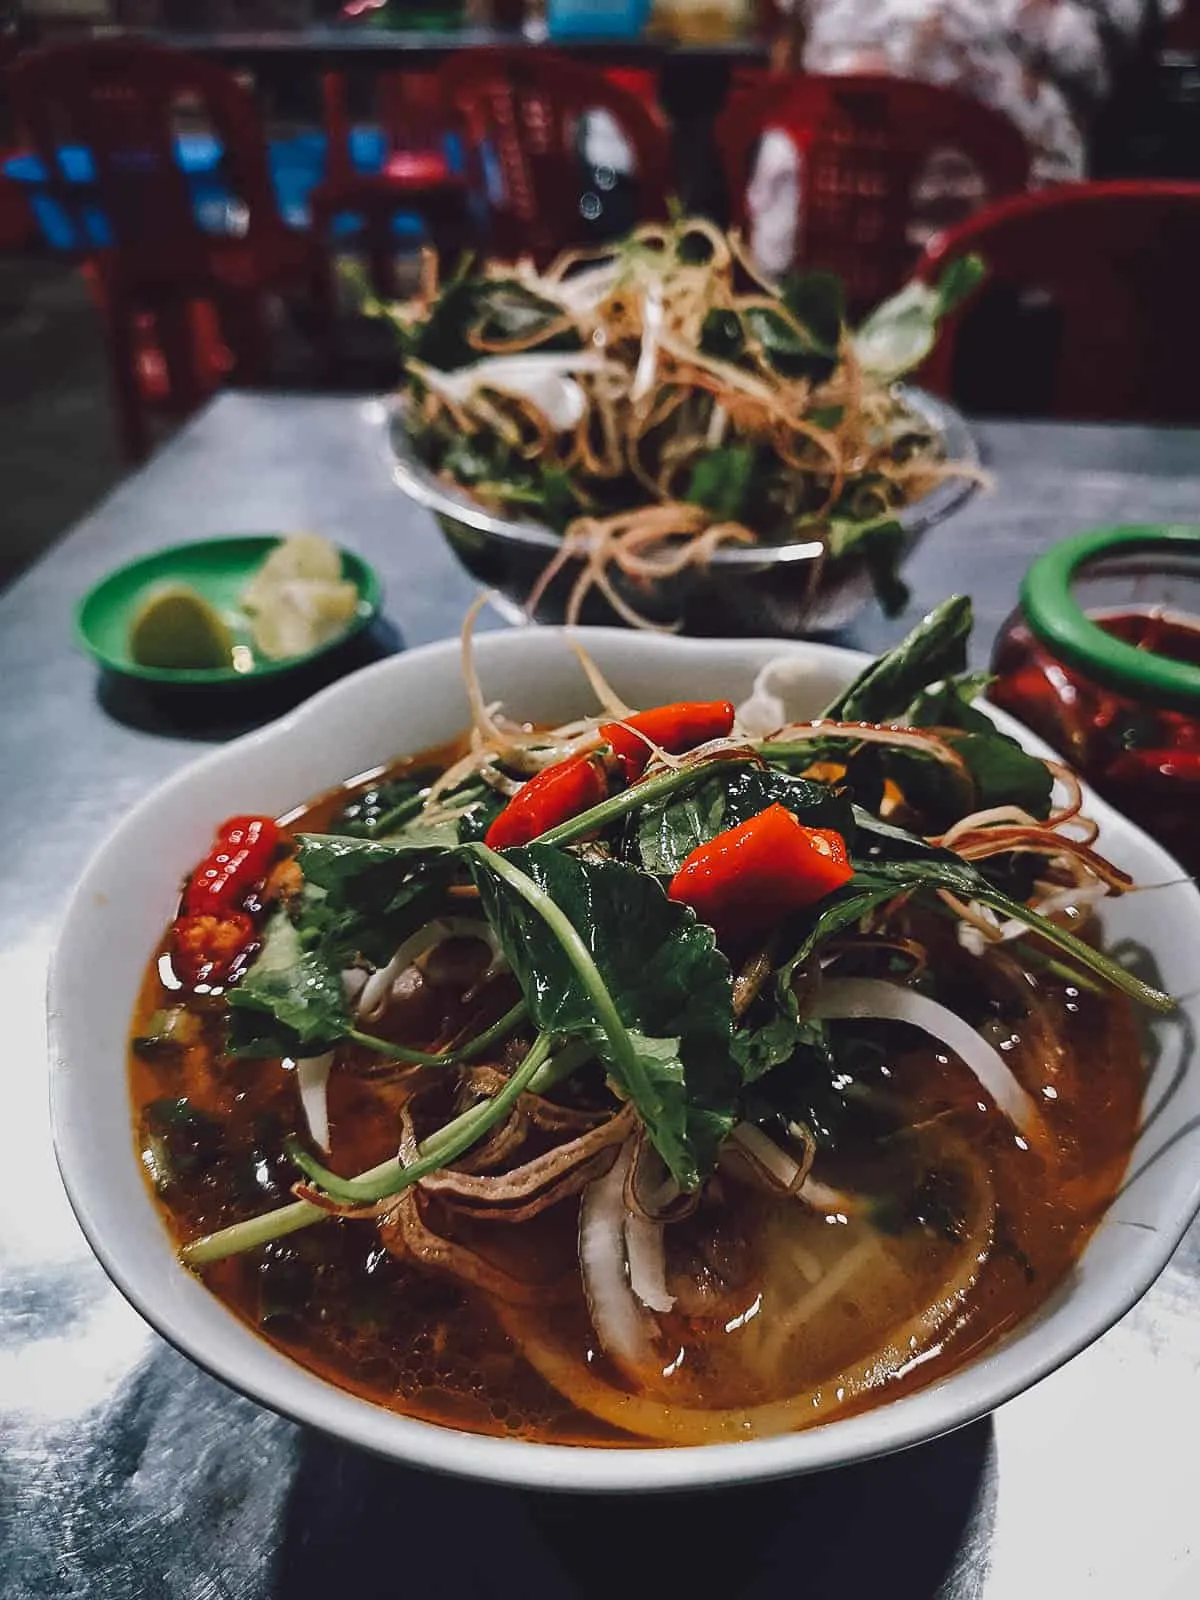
285 1387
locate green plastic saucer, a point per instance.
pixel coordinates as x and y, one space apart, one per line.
219 569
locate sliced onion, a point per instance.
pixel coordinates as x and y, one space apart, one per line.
764 710
622 1326
354 981
312 1080
645 1247
541 377
873 997
765 1153
378 988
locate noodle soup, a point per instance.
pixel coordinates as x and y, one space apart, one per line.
756 1149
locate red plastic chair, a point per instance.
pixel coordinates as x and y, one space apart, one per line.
1182 32
122 99
865 143
1109 272
522 112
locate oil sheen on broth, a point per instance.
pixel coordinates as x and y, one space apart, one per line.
772 1299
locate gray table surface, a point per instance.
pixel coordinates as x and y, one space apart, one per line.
126 1472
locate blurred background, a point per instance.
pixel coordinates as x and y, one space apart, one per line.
195 193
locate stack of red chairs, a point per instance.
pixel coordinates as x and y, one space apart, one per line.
165 284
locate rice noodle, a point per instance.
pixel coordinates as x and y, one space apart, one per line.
312 1080
622 1326
864 998
650 1418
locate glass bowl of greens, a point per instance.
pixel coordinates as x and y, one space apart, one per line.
652 434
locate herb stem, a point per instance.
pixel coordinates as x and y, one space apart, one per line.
620 805
1078 949
625 1059
447 1144
379 1183
401 812
500 1029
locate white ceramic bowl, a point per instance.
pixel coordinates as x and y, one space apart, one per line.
414 701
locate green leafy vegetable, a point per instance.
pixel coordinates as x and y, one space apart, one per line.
370 894
291 1001
178 1140
922 874
880 542
818 302
1004 773
384 806
935 649
722 479
668 831
601 954
498 310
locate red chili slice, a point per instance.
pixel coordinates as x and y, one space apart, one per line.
554 795
204 947
240 858
746 879
674 728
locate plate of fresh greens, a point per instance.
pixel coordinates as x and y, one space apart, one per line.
652 432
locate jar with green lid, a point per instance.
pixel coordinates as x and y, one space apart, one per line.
1103 661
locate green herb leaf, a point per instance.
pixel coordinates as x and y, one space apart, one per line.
291 1001
642 979
880 543
959 281
773 1041
384 806
935 649
1004 773
670 830
792 355
923 872
817 300
721 481
371 894
495 309
722 335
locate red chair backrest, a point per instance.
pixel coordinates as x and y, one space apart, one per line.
122 99
1115 265
525 109
864 144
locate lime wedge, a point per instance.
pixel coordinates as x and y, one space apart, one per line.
177 629
301 556
300 615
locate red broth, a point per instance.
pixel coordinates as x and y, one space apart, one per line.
785 1316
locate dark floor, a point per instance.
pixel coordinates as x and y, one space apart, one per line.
58 449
